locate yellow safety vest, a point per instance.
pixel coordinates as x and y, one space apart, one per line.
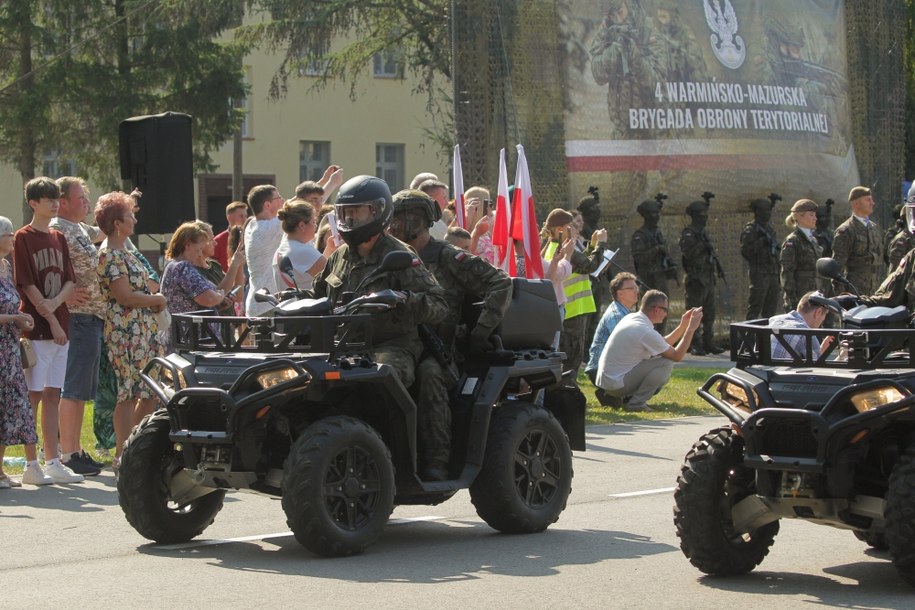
577 288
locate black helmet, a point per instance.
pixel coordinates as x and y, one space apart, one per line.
412 199
363 191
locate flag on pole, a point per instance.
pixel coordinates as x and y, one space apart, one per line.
501 237
458 183
524 219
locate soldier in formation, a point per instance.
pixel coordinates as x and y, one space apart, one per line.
799 253
653 263
759 247
702 269
858 244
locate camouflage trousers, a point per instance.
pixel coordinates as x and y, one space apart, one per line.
106 397
765 295
572 343
434 417
702 294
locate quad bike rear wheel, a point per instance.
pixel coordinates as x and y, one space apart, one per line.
148 464
338 486
712 480
527 471
899 510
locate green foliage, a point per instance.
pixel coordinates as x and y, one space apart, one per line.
676 399
339 40
72 71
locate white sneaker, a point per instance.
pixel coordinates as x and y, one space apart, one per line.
34 475
61 474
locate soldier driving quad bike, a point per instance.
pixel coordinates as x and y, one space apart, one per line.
828 438
296 405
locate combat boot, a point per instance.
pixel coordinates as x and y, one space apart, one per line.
711 348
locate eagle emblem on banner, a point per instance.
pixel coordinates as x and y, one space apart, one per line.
727 45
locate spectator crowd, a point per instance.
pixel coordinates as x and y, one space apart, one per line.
94 311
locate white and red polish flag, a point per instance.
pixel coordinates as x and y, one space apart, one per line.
524 219
457 181
501 236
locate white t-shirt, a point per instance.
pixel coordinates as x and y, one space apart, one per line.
262 238
633 340
439 229
303 257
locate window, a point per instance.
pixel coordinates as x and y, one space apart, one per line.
385 64
55 165
314 157
389 164
315 67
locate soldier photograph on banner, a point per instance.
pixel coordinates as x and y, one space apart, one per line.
742 98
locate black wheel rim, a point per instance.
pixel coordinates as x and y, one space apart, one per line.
538 468
352 488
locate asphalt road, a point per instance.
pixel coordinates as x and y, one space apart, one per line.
613 547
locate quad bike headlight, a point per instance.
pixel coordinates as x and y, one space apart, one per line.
735 395
269 379
876 398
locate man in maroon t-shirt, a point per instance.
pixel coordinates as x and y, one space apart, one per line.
45 279
236 214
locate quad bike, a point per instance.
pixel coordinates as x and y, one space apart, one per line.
827 438
291 406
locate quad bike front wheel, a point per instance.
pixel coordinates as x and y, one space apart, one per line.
527 471
338 487
148 464
712 480
899 510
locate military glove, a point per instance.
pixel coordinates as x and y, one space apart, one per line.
479 338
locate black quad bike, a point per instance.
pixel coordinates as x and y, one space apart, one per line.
289 405
828 438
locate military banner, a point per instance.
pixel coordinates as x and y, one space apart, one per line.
740 97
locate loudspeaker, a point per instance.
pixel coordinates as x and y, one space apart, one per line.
157 158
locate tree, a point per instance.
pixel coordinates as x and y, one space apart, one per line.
72 71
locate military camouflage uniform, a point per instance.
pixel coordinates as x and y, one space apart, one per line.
898 248
627 56
759 246
799 259
394 333
699 264
460 275
858 250
898 288
653 264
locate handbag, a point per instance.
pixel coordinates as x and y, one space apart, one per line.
27 353
164 319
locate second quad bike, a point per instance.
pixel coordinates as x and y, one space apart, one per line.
827 437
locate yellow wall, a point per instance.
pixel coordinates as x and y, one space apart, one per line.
385 111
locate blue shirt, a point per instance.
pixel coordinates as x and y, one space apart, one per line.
612 315
797 342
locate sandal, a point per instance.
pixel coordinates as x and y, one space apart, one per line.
6 482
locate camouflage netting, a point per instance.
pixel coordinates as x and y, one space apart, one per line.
517 63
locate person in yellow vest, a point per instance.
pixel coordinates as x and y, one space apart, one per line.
561 225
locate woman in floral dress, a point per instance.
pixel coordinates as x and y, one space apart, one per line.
17 422
130 326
